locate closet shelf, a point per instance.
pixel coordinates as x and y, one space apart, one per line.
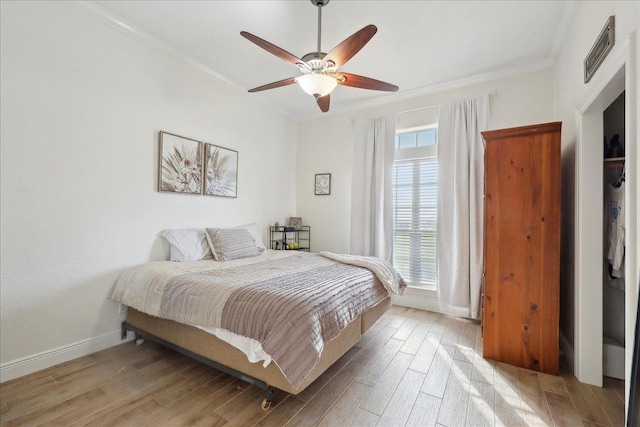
614 162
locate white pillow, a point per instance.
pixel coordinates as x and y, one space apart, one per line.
255 233
188 245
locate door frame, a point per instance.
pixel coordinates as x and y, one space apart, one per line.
618 74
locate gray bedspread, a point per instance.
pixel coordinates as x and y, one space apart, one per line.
292 305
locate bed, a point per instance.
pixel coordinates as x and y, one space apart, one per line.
277 320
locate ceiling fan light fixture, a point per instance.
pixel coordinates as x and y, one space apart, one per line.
316 84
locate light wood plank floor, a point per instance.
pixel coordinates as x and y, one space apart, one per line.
411 368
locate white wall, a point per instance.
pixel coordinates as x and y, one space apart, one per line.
582 295
326 145
82 105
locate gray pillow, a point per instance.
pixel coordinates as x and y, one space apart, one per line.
227 244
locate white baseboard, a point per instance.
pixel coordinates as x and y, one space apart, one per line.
39 361
567 350
420 298
419 303
424 299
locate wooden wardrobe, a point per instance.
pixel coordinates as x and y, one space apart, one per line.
521 280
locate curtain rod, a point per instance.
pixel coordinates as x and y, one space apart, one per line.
492 93
418 108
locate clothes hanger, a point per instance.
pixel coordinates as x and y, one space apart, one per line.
621 178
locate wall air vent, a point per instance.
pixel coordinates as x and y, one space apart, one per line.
601 48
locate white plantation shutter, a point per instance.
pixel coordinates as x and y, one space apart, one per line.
415 186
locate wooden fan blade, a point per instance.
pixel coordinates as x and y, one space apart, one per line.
272 48
350 46
274 85
323 103
354 80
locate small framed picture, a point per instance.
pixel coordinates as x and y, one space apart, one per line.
323 184
295 222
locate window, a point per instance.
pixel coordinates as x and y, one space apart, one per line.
421 138
415 191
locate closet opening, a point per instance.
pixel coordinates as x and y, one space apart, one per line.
613 282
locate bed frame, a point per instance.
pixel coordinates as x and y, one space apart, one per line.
212 351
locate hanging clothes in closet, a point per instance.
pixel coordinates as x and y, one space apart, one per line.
615 215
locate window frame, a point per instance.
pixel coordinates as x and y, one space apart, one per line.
416 130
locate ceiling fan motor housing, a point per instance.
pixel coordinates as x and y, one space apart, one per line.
314 56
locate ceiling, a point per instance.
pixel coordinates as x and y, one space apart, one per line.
419 44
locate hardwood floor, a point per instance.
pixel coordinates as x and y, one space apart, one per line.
411 368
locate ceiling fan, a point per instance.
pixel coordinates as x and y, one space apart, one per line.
320 73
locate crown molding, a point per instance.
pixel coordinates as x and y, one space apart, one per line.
436 88
142 36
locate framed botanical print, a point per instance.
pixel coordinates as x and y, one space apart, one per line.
220 172
323 184
180 168
295 222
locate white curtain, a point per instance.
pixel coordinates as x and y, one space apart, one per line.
371 190
460 204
